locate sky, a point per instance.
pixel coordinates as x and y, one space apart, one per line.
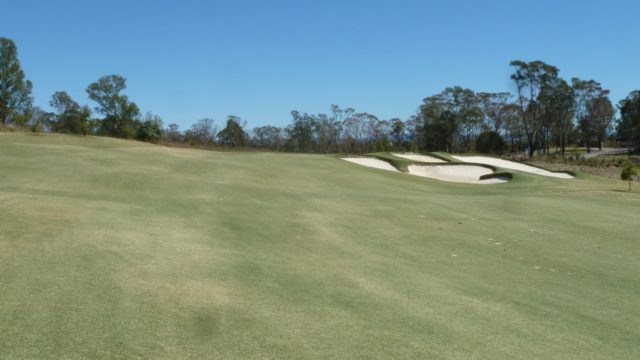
259 60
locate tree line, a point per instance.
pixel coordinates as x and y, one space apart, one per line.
546 112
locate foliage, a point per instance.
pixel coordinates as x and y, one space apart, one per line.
150 130
70 117
629 171
629 125
15 91
121 116
233 134
490 142
203 132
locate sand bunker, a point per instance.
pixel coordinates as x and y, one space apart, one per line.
506 164
469 174
418 157
372 162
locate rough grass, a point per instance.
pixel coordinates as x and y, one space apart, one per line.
116 249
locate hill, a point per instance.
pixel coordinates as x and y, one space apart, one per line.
119 249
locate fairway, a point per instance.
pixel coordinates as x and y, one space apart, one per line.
121 249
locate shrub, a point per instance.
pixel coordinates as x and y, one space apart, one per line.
490 142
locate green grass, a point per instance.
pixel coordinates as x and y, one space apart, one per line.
116 249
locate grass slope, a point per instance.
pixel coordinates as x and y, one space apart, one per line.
116 249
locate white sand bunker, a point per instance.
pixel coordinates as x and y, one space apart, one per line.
419 157
372 162
469 174
512 165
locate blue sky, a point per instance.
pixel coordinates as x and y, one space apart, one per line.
185 60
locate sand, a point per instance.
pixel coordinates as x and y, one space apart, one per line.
469 174
418 157
506 164
372 162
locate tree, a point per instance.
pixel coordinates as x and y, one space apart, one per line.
557 98
628 172
629 125
493 107
594 111
150 130
602 112
439 132
203 132
397 132
270 137
172 133
233 134
454 113
70 117
300 132
530 80
490 142
15 91
39 120
122 117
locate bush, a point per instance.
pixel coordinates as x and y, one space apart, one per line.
490 142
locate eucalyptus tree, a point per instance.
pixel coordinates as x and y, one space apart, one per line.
629 125
593 109
530 79
122 116
463 111
270 137
15 91
150 129
602 111
70 117
557 100
397 132
203 132
493 106
300 132
326 133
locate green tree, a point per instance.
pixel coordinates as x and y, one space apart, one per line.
531 79
70 117
150 129
593 109
490 142
233 134
629 125
15 91
454 113
122 117
397 132
557 98
628 173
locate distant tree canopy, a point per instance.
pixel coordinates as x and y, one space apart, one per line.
121 117
150 129
629 125
15 91
546 111
233 134
490 142
70 117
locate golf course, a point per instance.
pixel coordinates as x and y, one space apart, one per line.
121 249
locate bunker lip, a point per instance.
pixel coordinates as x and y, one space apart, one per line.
419 157
468 174
512 165
372 162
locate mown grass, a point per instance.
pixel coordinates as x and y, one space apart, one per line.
117 249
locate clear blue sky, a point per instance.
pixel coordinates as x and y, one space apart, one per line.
185 60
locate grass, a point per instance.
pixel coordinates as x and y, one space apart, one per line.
118 249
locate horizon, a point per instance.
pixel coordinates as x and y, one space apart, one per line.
381 58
